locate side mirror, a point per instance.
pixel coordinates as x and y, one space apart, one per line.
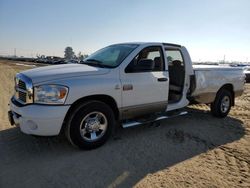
144 65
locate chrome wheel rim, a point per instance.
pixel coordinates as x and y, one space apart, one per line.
225 104
93 126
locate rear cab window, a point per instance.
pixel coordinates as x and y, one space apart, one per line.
174 56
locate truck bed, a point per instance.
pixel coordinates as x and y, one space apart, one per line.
216 67
210 78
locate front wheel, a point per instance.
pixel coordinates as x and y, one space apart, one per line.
90 125
222 104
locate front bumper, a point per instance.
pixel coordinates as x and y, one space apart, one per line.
42 120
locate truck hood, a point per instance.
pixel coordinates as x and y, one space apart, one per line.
56 72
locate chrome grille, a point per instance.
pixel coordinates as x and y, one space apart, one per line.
24 89
22 96
22 85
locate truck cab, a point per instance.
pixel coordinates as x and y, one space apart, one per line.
155 77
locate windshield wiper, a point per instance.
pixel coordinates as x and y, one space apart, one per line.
94 60
95 63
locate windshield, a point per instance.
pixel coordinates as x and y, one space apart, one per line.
110 56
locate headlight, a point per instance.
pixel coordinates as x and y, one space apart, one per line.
50 94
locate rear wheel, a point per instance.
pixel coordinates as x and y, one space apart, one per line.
90 125
222 103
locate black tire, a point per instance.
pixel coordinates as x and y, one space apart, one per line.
217 108
76 118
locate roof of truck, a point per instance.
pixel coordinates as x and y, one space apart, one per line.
165 44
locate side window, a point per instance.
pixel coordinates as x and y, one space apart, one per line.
174 57
150 59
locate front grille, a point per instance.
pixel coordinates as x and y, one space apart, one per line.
22 96
21 91
22 85
24 89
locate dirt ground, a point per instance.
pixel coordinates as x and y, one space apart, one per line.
195 150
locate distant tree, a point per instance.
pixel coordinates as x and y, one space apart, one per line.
81 56
85 56
69 53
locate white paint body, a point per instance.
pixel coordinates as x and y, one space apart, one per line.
210 78
83 81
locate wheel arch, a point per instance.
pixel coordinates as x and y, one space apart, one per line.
110 101
230 88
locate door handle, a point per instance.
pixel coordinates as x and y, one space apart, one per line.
127 87
162 79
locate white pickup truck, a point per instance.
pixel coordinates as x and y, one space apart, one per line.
121 84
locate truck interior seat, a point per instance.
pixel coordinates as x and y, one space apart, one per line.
176 76
158 64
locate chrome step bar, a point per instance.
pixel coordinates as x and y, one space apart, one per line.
133 123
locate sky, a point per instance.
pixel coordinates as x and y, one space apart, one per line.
209 29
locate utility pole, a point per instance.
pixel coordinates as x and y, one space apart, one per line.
14 52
